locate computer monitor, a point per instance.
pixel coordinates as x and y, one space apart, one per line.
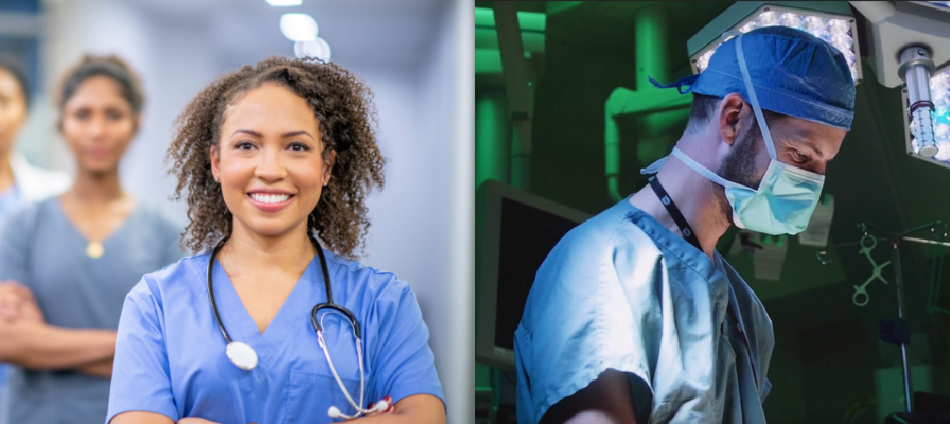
517 231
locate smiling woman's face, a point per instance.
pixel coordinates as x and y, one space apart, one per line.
269 162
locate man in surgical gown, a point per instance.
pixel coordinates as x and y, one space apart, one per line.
634 316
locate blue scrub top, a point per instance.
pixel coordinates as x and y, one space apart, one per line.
10 201
41 249
170 355
622 292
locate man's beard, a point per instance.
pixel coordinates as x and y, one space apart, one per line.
739 167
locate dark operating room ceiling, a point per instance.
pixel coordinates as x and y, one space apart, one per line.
589 51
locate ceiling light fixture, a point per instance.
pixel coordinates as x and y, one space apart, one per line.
830 21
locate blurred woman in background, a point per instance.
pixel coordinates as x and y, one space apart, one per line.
74 257
20 182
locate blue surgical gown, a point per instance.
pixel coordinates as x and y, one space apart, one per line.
622 292
170 355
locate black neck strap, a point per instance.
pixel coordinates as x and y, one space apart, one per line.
675 213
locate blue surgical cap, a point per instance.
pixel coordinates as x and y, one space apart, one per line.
792 71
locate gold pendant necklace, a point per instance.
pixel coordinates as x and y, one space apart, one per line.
95 250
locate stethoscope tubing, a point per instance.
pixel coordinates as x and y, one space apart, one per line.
317 325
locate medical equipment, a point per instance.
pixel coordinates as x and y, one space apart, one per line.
519 229
939 230
244 357
860 296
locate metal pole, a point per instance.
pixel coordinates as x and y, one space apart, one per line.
518 89
900 315
491 138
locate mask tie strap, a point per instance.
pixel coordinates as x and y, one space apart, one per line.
764 129
702 170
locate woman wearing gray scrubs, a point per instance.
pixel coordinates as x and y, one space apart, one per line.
74 257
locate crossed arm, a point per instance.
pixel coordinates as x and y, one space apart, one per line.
607 400
31 343
422 409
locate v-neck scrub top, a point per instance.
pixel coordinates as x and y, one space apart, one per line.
41 249
170 355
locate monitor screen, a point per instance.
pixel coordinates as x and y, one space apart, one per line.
518 230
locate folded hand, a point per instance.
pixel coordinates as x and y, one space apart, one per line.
18 304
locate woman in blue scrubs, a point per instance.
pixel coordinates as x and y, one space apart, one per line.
272 157
74 257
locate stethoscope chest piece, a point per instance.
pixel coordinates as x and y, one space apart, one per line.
242 355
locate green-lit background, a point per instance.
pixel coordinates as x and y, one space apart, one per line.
576 54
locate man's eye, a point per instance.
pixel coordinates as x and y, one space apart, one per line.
798 157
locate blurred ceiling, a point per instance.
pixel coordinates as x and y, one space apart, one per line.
589 51
243 28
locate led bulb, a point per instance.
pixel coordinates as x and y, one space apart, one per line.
749 26
792 20
703 60
943 151
841 41
839 27
942 131
940 86
768 19
814 24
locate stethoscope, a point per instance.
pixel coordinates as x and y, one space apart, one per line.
243 356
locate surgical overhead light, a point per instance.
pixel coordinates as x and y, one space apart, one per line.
298 26
927 127
830 21
907 39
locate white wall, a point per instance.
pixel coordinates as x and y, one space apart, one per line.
422 221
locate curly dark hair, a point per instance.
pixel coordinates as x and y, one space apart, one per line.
344 109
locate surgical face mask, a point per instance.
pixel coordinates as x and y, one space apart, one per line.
786 196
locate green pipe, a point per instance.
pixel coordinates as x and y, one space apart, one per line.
491 138
655 104
651 51
651 46
612 146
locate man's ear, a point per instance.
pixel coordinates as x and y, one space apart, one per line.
734 115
